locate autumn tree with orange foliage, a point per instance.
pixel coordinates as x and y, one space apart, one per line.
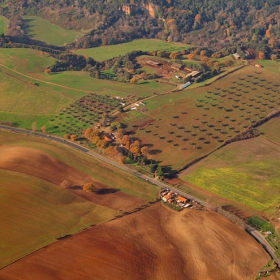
191 56
174 55
145 151
48 71
73 137
261 55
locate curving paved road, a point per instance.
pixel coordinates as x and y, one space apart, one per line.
256 234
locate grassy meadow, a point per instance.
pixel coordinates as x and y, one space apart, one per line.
34 212
105 52
271 129
270 65
245 171
42 30
3 25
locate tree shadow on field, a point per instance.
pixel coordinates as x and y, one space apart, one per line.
106 191
28 24
155 152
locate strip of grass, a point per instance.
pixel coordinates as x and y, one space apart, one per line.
33 212
105 52
3 25
42 30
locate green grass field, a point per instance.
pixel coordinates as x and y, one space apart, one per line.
3 25
270 65
42 30
106 52
244 171
271 129
33 212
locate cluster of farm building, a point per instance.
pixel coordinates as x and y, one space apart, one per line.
174 198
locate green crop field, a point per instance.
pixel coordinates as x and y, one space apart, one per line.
25 61
34 212
3 25
105 52
42 30
244 171
271 129
195 121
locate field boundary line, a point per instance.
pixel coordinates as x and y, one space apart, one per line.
272 141
42 81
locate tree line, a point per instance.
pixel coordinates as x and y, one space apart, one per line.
221 23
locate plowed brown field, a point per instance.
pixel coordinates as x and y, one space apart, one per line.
42 165
155 243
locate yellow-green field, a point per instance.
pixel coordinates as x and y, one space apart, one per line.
42 30
245 171
105 52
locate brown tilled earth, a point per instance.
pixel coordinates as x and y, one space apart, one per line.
155 243
39 164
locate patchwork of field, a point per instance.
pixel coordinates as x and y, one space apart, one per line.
32 195
105 52
245 171
162 245
30 95
42 30
194 122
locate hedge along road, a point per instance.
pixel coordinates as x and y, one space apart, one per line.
257 235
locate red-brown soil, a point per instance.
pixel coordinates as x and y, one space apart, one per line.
155 243
42 165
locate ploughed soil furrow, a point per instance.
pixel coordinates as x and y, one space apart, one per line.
155 243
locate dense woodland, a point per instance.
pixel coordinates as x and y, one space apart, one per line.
215 23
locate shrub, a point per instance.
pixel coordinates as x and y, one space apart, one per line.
89 187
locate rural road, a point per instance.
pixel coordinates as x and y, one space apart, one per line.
256 234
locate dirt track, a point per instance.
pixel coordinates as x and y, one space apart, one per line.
155 243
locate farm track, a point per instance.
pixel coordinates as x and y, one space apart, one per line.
257 235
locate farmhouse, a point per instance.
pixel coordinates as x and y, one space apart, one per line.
181 199
236 56
176 66
153 63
